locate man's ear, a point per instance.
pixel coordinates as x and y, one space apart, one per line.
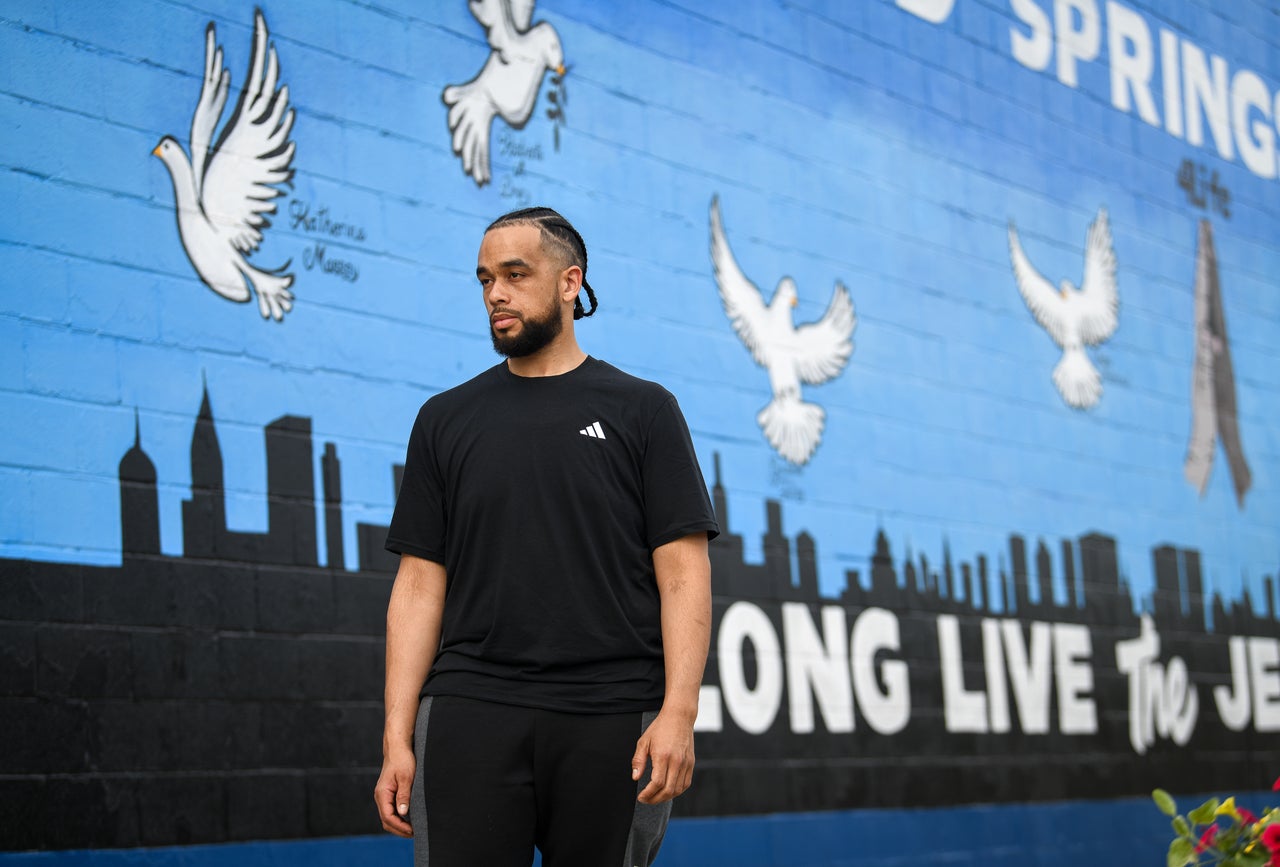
570 283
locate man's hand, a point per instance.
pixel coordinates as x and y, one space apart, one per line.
668 744
391 794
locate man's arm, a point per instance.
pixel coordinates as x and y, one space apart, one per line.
683 573
413 636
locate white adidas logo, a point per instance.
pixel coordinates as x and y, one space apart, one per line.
593 430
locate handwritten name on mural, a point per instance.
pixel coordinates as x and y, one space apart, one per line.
317 256
1202 188
513 148
303 218
1196 89
1041 674
786 478
317 221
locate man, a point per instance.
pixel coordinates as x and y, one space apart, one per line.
550 620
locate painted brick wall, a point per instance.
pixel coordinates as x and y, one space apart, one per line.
192 605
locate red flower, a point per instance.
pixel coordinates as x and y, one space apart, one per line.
1275 787
1246 818
1271 838
1206 839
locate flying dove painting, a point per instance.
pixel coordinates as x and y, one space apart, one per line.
1074 318
507 85
224 191
813 353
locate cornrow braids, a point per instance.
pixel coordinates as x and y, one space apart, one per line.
560 234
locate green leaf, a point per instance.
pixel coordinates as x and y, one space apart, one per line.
1180 825
1164 802
1257 858
1203 815
1181 852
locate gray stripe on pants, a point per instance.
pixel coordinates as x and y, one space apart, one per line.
417 797
649 822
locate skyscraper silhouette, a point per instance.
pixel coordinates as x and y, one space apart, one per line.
139 500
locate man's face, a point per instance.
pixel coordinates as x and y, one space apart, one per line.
522 290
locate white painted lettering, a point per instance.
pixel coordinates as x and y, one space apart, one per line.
1076 43
962 710
1031 51
817 666
709 718
1171 702
1029 674
1134 658
1254 138
997 686
1264 672
1132 61
1169 74
1172 717
1276 114
1255 680
753 710
1206 94
1072 647
889 711
1234 707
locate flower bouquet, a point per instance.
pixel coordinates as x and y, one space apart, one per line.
1203 838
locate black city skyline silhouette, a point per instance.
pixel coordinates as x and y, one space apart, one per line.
1178 598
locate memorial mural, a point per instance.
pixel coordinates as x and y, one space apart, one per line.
1000 521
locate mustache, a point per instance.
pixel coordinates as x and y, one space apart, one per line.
503 311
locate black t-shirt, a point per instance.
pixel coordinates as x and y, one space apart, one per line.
544 497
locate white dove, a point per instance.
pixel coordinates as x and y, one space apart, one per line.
507 84
223 192
812 353
1074 317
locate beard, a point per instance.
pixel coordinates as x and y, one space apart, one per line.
535 333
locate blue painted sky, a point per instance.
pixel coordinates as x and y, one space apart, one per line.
846 142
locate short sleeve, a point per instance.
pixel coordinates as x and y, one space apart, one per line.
675 495
418 522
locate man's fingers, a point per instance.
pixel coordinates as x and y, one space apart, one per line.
393 820
653 792
639 757
672 776
391 795
404 785
686 780
648 794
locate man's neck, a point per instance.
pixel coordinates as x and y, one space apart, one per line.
560 356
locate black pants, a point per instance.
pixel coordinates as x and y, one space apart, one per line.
495 780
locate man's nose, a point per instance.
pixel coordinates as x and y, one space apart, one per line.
496 293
